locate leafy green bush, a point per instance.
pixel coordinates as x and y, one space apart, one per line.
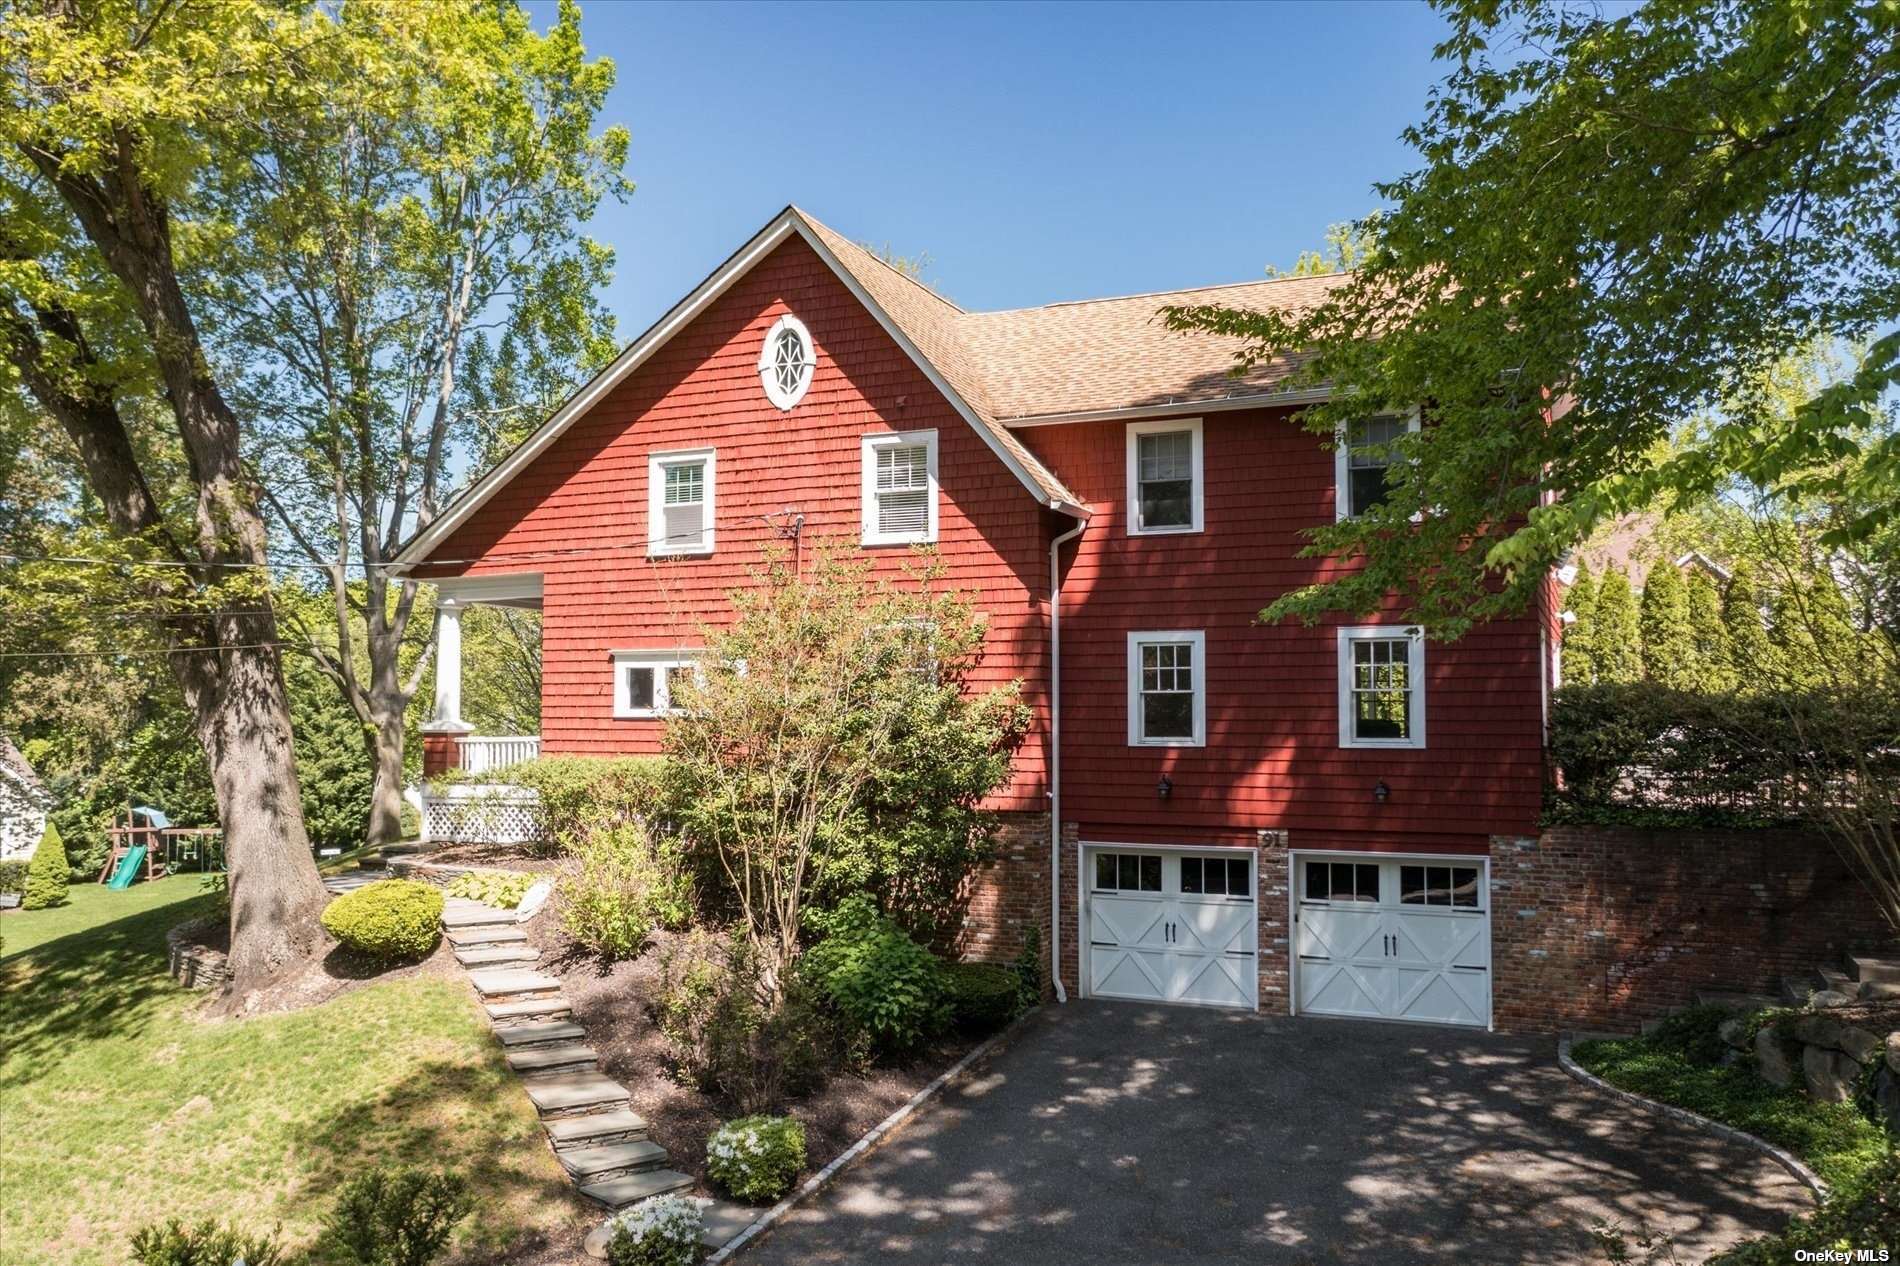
1863 1212
46 873
1674 1065
500 888
617 886
172 1243
884 984
756 1158
1030 968
982 996
389 920
13 876
583 795
723 1039
397 1217
659 1231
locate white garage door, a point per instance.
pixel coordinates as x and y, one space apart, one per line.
1172 927
1407 939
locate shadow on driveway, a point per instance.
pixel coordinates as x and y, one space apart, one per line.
1125 1133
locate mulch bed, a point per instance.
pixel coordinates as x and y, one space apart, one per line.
612 1001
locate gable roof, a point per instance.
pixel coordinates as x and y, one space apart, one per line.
14 766
1062 362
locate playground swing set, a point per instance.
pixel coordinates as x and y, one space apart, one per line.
146 840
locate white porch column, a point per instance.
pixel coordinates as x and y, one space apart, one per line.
446 718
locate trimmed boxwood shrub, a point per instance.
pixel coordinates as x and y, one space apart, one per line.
389 920
13 876
883 983
982 996
46 874
756 1158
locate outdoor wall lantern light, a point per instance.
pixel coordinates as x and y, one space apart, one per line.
1165 787
1381 792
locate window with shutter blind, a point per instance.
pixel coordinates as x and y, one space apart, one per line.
680 502
900 488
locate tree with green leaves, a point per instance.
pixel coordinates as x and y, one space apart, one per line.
1668 639
404 279
1619 636
1555 338
1712 671
114 118
1580 633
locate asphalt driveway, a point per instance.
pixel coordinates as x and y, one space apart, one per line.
1126 1133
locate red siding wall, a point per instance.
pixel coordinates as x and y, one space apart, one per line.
588 492
1273 758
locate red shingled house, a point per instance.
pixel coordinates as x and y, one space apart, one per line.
1235 814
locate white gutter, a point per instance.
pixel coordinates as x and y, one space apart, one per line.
1259 400
1055 757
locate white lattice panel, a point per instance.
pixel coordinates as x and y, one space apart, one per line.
475 814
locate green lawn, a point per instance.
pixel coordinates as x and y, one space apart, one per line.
1676 1065
122 1104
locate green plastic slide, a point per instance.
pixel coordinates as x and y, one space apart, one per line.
128 867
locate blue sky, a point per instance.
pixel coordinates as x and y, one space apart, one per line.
1037 153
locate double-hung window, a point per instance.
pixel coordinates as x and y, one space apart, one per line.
644 681
899 494
1381 686
1164 477
680 502
1362 461
1167 689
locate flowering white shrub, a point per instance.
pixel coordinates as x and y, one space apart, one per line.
659 1231
756 1158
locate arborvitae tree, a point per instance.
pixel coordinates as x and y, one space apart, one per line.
1580 635
1815 632
1756 662
1668 642
1713 671
1618 638
46 873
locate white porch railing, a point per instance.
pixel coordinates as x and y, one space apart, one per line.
478 754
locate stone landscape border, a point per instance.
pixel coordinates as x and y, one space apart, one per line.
872 1138
1694 1120
191 965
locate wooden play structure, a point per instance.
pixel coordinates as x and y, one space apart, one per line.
145 840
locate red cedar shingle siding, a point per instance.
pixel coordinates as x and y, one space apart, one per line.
702 389
1273 757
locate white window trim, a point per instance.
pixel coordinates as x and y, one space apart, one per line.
867 485
1196 638
780 398
671 659
1415 640
1163 426
657 544
1342 474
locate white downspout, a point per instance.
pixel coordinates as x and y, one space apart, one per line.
1055 757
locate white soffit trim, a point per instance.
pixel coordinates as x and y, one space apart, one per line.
783 225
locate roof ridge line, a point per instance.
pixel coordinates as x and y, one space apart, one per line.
1147 294
958 308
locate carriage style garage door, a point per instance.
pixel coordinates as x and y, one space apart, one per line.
1399 939
1166 926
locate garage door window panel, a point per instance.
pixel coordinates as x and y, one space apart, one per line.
1342 881
1127 872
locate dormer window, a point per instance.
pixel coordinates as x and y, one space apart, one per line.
786 362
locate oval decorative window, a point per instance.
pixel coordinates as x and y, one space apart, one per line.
786 362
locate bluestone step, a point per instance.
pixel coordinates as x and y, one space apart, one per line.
1878 990
539 1032
472 914
496 934
1872 968
499 982
720 1220
613 1160
526 1010
564 1093
618 1193
596 1129
497 955
550 1059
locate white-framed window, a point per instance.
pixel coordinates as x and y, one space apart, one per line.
680 502
900 488
643 681
787 361
1167 689
1382 686
1165 493
1361 459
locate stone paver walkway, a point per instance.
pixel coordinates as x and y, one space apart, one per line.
589 1118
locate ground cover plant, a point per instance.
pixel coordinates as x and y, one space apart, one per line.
501 888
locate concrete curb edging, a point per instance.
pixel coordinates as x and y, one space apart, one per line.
872 1137
1787 1160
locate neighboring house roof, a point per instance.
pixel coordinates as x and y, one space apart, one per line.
1063 362
14 768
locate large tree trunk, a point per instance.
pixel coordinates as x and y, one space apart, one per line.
386 751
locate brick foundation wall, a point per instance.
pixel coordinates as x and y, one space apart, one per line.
1600 928
1008 896
439 754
